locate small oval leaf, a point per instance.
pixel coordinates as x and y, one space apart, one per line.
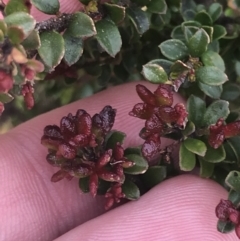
211 58
130 190
233 180
187 159
140 164
47 6
154 73
108 37
211 75
113 138
52 48
225 227
214 155
174 49
196 146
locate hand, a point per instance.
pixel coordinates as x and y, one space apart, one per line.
33 208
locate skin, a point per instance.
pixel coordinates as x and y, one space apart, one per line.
33 208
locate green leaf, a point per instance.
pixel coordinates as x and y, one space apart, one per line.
189 31
206 168
225 227
5 98
22 20
133 150
165 64
73 48
187 159
140 164
47 6
215 11
174 49
218 109
154 73
130 190
116 12
52 48
157 6
233 180
17 6
231 91
3 26
209 31
234 142
32 42
211 75
198 43
108 37
196 108
84 184
81 26
196 146
113 138
213 91
139 19
15 34
214 155
234 197
189 129
211 58
219 32
204 18
177 33
154 175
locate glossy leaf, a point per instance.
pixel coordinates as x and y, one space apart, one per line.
47 6
198 43
225 227
174 49
17 6
81 26
165 64
108 37
154 73
211 75
32 42
189 129
116 13
213 91
52 48
154 175
73 48
140 164
196 146
196 108
204 18
206 168
218 32
215 11
22 20
233 180
214 155
131 190
187 159
234 197
218 109
5 98
211 58
113 138
139 19
157 6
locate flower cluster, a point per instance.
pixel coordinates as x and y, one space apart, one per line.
78 147
220 131
226 211
161 117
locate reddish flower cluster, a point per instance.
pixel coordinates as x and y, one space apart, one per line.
160 116
226 211
78 148
219 132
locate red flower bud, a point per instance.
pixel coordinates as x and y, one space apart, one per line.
67 151
145 95
93 184
164 95
118 152
142 111
6 81
151 146
222 209
27 93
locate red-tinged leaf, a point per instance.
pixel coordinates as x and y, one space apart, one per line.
109 176
145 94
58 176
104 159
93 184
142 111
154 124
84 124
222 209
118 152
164 95
35 65
232 129
151 146
216 135
54 160
52 131
80 140
68 127
51 142
6 81
67 151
